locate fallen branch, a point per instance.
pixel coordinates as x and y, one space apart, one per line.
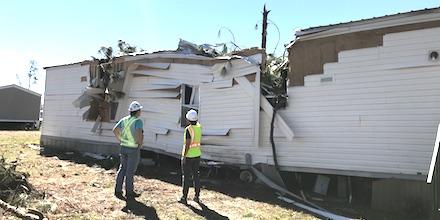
21 213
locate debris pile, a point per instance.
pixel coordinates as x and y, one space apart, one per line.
107 75
12 183
15 190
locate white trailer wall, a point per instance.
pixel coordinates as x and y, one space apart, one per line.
61 118
227 112
373 112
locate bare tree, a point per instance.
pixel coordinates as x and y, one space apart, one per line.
32 74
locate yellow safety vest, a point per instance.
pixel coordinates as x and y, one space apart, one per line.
195 132
127 137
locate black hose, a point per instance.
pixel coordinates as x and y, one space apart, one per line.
272 142
274 151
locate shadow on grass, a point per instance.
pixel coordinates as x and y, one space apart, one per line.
207 212
140 209
226 181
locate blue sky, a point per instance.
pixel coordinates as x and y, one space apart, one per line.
59 32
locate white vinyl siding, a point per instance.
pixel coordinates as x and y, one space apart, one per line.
380 113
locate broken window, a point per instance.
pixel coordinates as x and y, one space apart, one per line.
189 100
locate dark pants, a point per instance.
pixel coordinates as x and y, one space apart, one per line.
190 167
129 162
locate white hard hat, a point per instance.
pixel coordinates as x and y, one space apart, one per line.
191 115
135 106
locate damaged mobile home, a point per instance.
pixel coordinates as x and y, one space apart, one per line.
225 90
363 102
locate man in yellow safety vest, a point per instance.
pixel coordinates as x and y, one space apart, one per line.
191 153
129 131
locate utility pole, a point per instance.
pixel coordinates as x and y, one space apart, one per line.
264 31
263 37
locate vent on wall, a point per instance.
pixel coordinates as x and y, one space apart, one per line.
433 56
327 79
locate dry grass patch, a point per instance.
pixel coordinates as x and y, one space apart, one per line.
79 191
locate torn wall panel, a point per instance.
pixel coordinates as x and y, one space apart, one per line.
167 91
164 81
161 104
220 84
147 66
148 87
179 76
154 94
178 71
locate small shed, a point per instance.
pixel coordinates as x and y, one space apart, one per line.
20 106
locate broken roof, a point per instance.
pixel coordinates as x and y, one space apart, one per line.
417 16
178 56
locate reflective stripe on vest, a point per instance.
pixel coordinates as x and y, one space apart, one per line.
195 131
127 137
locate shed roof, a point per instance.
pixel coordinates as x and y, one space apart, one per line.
20 88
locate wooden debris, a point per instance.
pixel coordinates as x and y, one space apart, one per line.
12 184
22 213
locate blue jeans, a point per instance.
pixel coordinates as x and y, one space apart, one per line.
129 162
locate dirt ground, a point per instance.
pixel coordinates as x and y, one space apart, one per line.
73 186
76 187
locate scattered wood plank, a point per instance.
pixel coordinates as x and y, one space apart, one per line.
22 213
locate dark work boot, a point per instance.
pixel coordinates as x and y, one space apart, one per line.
196 199
119 195
182 200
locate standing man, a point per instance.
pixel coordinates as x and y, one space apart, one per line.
129 132
191 153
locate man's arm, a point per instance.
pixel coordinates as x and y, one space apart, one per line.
139 137
187 143
139 133
117 132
